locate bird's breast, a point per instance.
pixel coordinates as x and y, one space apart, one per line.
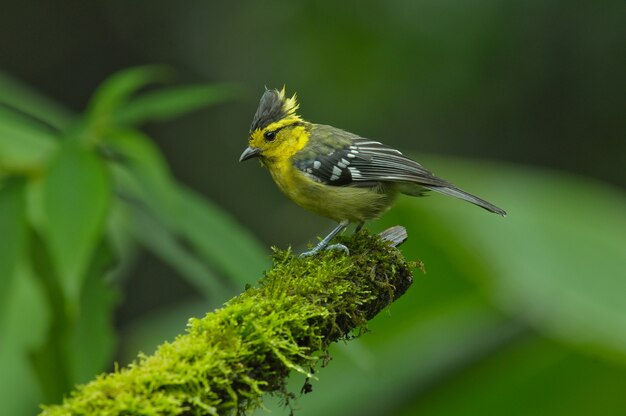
336 202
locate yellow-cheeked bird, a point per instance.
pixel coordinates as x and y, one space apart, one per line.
335 173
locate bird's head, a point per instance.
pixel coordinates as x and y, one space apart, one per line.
277 132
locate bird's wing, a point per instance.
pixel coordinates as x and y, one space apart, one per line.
336 157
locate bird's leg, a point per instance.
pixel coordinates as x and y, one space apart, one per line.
341 246
324 243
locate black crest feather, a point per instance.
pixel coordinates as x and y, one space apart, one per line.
273 106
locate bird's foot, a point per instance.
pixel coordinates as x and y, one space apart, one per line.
324 243
319 248
310 253
339 247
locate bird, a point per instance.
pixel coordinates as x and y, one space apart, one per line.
335 173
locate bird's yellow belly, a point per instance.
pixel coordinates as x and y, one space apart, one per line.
336 202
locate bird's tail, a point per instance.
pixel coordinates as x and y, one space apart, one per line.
456 192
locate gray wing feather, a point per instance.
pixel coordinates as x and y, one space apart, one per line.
339 158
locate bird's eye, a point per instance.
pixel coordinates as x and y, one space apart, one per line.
269 135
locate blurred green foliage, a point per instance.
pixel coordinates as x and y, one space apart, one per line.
521 315
77 194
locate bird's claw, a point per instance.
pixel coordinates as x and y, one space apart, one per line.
316 250
338 247
308 253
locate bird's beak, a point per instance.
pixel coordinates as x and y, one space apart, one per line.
249 153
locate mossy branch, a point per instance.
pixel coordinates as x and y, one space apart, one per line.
227 360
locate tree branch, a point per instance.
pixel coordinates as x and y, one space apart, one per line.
227 360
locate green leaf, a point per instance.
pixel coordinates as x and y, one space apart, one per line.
51 358
117 89
24 145
156 238
13 232
35 209
219 238
93 341
144 183
169 103
143 173
26 323
558 259
77 345
50 364
17 95
76 200
123 245
212 234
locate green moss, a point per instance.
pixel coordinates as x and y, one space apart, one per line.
227 360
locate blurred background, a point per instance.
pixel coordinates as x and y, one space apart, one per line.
124 211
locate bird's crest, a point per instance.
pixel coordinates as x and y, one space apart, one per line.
274 106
